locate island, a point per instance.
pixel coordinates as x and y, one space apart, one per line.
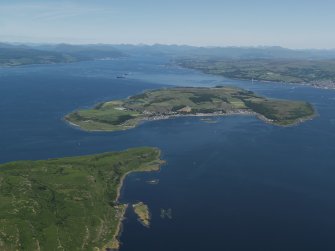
143 213
188 101
67 203
319 73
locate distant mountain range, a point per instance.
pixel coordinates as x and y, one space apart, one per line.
22 54
226 52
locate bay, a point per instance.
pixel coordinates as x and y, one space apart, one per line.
236 184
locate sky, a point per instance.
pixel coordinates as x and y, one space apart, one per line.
288 23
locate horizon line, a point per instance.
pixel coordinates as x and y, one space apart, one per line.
167 44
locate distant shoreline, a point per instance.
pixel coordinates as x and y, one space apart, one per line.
242 67
306 84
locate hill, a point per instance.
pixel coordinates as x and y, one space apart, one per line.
67 203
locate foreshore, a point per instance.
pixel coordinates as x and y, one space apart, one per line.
119 188
115 243
215 114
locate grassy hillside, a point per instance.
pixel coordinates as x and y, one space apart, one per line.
125 114
67 203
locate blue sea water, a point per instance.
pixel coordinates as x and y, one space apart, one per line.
237 184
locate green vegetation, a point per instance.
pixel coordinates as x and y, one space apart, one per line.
318 73
68 203
172 102
143 213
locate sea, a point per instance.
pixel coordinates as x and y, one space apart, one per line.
232 183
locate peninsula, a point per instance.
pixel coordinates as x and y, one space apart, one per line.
188 101
67 203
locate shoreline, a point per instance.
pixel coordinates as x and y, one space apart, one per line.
215 114
306 84
119 188
116 242
303 84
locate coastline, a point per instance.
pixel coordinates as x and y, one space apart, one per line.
76 126
215 114
306 84
119 188
115 243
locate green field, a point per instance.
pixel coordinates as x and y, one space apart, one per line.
319 73
67 203
165 103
